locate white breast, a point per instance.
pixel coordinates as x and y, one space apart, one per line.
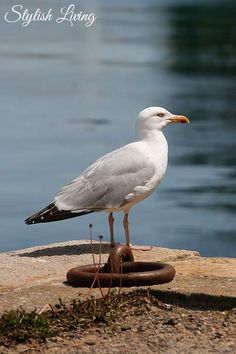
156 151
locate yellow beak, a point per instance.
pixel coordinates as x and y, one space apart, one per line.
179 119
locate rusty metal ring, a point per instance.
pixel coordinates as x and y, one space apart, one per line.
118 255
121 270
133 274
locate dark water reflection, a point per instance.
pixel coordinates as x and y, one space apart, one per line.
69 95
207 34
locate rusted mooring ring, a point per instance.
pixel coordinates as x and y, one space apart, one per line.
121 270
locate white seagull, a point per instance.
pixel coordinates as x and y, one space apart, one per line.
119 179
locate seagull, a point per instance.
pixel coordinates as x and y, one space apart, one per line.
118 180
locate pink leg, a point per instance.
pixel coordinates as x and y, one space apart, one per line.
135 248
111 222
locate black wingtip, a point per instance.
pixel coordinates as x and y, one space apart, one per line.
52 213
39 217
28 222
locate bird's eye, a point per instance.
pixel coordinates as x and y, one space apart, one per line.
160 115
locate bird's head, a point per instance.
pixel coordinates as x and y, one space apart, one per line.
156 118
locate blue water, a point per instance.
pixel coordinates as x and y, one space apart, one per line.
70 94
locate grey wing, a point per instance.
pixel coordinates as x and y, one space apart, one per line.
107 182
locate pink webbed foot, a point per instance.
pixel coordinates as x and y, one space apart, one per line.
140 247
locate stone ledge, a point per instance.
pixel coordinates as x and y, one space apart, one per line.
34 276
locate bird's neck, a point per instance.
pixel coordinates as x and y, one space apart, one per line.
155 136
157 147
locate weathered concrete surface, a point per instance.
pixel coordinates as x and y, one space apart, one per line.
35 276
